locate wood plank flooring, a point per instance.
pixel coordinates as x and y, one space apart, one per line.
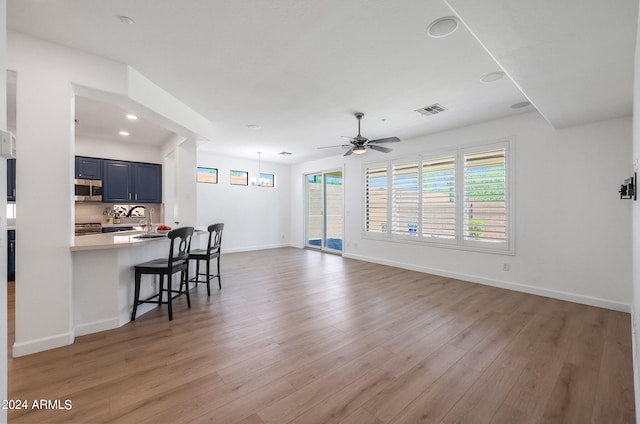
297 336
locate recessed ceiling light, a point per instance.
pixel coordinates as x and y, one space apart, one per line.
520 105
254 127
126 20
124 133
492 77
132 117
442 27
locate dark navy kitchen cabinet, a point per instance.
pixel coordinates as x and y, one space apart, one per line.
11 180
117 181
138 182
147 183
88 168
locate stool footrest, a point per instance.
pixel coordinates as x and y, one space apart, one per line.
160 302
197 279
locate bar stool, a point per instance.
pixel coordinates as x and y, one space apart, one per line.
177 261
212 251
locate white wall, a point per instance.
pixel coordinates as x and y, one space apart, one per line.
635 225
109 149
47 74
185 200
44 174
254 217
572 235
3 219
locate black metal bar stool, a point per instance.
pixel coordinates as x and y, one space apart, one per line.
212 251
177 261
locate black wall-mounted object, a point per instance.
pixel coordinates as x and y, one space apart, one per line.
11 255
628 189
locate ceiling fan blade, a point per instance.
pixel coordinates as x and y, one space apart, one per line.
379 148
337 145
385 140
349 152
346 137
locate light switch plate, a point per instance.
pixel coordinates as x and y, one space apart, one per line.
7 145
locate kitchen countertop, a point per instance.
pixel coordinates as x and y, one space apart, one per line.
111 241
115 240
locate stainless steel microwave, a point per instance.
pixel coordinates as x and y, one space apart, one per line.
88 190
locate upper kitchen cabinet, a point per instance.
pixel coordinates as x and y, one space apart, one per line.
117 179
147 183
124 181
11 180
88 168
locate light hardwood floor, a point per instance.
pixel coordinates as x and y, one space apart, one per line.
297 336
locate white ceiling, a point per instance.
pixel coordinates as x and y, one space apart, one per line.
96 119
299 69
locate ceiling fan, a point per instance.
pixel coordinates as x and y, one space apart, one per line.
360 144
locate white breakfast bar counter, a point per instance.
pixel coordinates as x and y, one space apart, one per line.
103 278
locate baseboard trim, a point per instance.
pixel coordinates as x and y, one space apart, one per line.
96 326
634 361
40 345
555 294
253 248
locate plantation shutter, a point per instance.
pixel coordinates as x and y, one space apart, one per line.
485 207
438 198
376 199
406 198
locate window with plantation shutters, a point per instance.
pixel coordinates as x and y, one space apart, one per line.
458 199
405 205
485 211
439 198
376 198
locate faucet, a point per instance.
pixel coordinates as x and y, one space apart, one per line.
133 208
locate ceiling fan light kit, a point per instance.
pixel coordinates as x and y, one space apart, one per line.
359 144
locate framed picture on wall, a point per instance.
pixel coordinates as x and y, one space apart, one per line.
207 175
267 180
239 178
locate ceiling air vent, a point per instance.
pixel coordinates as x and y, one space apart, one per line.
285 153
433 109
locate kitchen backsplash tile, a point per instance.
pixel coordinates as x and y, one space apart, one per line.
96 212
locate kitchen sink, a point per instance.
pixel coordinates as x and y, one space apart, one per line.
148 236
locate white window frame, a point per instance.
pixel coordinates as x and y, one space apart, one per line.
459 242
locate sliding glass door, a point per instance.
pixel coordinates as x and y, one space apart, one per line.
325 211
315 211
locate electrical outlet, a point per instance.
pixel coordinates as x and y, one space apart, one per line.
505 267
